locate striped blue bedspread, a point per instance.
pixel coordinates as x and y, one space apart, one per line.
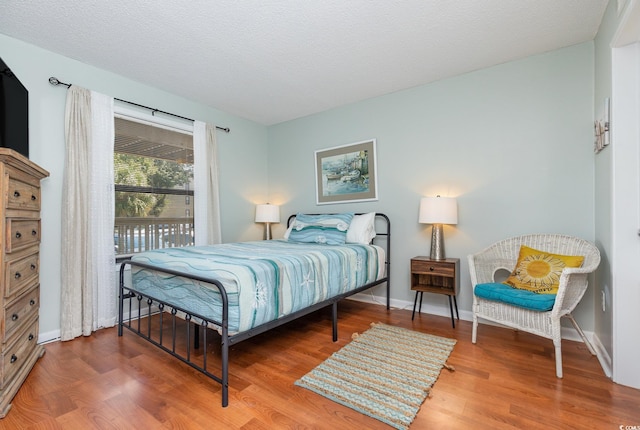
264 280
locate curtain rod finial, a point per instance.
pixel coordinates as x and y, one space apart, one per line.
55 81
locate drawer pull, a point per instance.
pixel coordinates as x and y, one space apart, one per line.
31 336
14 317
33 267
32 302
34 232
34 198
14 358
18 275
18 235
432 268
16 194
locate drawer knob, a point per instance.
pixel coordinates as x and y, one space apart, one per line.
33 232
34 198
16 194
18 235
33 267
432 268
18 275
14 317
14 358
31 336
32 302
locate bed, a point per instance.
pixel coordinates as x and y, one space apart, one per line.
240 290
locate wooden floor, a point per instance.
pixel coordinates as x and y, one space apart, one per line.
507 380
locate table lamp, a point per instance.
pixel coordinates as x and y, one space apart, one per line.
438 211
267 213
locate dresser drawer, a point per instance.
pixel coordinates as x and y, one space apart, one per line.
22 233
20 272
23 196
20 311
14 356
433 267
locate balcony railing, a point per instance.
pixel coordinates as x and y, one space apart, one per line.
133 235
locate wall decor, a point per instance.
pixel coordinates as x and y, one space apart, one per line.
601 127
346 173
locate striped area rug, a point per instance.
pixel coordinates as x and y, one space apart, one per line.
385 373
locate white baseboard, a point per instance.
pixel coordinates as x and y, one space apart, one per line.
603 356
427 308
54 335
48 337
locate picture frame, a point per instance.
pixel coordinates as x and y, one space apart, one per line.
347 173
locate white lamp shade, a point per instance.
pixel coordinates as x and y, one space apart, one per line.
438 210
267 213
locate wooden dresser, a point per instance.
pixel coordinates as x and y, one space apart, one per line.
19 283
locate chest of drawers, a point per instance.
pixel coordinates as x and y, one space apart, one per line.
19 282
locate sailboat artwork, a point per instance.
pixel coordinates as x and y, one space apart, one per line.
346 173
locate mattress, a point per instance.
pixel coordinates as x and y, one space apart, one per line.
264 280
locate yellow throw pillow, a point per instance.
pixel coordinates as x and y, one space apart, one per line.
539 271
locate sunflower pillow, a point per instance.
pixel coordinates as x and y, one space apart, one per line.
539 271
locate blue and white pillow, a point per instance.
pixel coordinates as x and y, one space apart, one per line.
330 229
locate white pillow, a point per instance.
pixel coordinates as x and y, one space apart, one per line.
362 229
288 232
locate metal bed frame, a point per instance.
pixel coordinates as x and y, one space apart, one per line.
153 306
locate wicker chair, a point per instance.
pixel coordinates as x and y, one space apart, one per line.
484 265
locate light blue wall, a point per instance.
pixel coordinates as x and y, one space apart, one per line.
514 144
243 172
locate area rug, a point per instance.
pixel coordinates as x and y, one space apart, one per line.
385 373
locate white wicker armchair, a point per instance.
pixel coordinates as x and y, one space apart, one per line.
573 284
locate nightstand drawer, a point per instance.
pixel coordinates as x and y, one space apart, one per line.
433 268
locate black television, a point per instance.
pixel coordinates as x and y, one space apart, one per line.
14 112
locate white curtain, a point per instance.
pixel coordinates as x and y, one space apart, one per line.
206 185
88 255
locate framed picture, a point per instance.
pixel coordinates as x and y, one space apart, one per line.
347 173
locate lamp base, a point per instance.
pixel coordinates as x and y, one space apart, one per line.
267 231
437 242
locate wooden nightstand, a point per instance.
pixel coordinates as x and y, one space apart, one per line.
435 276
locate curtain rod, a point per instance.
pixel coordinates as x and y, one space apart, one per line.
55 81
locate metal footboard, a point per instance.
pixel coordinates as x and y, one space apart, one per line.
142 307
147 306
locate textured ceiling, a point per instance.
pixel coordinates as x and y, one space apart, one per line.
275 60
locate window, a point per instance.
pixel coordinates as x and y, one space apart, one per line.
153 175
